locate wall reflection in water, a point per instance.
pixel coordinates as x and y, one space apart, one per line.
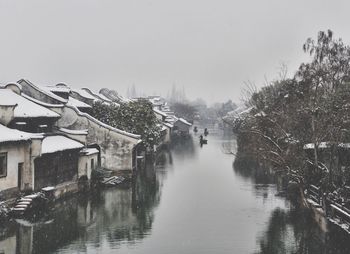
85 222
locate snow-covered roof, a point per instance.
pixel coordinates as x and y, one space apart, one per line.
344 145
92 93
59 89
89 151
42 89
52 144
168 125
321 145
160 112
84 94
79 104
25 108
13 135
74 132
156 101
184 121
41 103
171 119
243 112
104 97
261 113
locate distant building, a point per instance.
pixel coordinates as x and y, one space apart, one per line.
181 127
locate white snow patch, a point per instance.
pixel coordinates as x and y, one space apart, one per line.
344 145
41 103
321 145
160 112
104 97
84 94
169 125
7 135
185 122
52 144
44 91
89 151
74 132
56 89
25 108
79 104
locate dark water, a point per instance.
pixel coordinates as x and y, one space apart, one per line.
192 201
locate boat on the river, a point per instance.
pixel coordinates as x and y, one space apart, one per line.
202 140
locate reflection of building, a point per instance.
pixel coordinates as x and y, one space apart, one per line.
112 215
8 239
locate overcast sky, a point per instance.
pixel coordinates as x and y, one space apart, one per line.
209 47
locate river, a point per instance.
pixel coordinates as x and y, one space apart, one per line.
192 201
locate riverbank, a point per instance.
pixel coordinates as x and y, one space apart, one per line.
192 199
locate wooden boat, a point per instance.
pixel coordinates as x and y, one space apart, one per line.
202 141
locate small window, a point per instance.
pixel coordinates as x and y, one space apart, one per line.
3 164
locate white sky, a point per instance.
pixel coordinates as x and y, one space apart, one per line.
209 47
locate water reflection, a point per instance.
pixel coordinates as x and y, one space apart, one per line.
248 168
188 200
84 222
289 230
185 149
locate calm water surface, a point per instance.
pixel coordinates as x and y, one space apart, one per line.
191 201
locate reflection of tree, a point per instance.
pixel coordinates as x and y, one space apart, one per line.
146 196
228 147
127 214
184 147
248 167
296 232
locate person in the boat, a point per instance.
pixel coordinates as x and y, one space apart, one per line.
201 140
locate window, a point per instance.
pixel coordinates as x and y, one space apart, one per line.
3 164
92 164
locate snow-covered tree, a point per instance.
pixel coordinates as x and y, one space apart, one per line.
136 117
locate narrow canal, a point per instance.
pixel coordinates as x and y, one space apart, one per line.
192 201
